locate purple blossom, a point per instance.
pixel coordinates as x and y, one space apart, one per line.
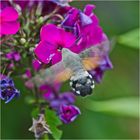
47 92
36 64
66 98
16 56
68 113
28 73
13 56
53 40
8 21
55 98
85 26
8 90
2 76
11 65
61 102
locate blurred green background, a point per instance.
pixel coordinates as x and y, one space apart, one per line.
104 114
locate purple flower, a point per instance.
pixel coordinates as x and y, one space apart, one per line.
8 21
13 56
85 26
56 99
53 40
11 65
28 73
66 98
36 64
61 102
69 113
48 92
16 56
8 90
2 76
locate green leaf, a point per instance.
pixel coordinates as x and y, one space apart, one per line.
29 100
35 113
45 137
53 121
130 39
120 107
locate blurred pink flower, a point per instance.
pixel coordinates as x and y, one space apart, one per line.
29 84
8 21
36 64
28 73
13 56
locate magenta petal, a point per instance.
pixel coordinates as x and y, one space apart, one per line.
78 48
9 55
56 58
88 9
50 33
16 56
36 64
43 52
9 14
9 27
28 73
68 39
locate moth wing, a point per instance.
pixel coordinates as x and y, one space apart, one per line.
54 74
92 57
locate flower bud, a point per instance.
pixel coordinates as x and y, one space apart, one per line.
40 20
22 40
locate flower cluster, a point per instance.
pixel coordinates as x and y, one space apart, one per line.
77 31
62 103
33 35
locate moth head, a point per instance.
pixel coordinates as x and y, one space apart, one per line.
82 85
